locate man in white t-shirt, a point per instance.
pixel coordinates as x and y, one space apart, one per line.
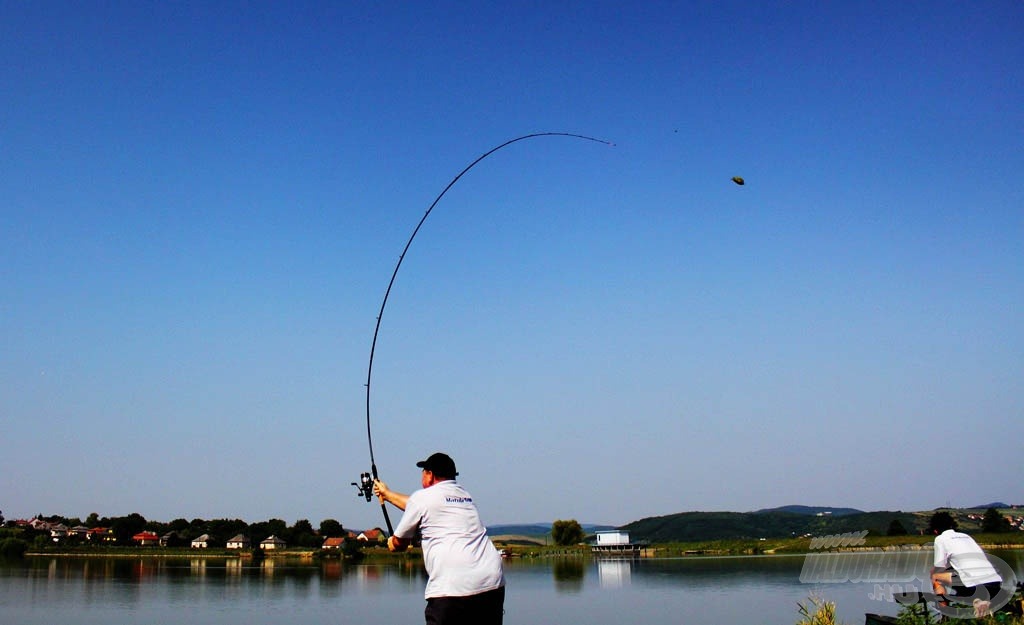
961 565
465 583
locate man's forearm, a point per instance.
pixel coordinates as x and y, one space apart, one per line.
396 499
397 544
940 579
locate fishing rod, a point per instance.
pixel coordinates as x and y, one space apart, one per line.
365 485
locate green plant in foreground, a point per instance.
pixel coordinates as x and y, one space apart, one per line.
817 612
917 614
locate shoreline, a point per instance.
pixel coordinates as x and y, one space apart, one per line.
302 555
651 552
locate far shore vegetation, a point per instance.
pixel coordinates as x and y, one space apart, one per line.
774 532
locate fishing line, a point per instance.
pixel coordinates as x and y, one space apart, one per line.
366 483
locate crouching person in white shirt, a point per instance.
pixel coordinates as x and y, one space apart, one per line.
961 566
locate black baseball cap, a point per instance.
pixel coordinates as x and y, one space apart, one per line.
439 464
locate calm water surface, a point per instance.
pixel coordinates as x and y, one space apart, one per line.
695 591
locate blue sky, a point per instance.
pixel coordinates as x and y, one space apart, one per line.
201 206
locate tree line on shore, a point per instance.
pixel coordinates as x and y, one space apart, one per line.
178 533
17 536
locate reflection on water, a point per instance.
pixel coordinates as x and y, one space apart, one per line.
568 574
614 573
89 569
692 590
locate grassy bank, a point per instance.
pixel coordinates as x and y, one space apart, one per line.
803 545
770 546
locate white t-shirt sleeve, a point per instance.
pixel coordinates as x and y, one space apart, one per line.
411 518
941 560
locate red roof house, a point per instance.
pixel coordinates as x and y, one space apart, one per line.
146 538
101 534
334 542
376 535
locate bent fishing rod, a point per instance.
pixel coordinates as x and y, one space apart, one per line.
365 485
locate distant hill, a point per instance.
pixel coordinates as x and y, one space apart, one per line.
704 526
539 529
813 510
524 529
781 522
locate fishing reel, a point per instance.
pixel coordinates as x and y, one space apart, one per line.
365 486
365 489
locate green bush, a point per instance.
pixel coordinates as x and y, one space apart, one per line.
352 549
13 548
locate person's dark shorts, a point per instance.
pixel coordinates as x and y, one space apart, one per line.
984 592
487 608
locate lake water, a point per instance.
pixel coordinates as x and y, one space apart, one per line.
692 590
